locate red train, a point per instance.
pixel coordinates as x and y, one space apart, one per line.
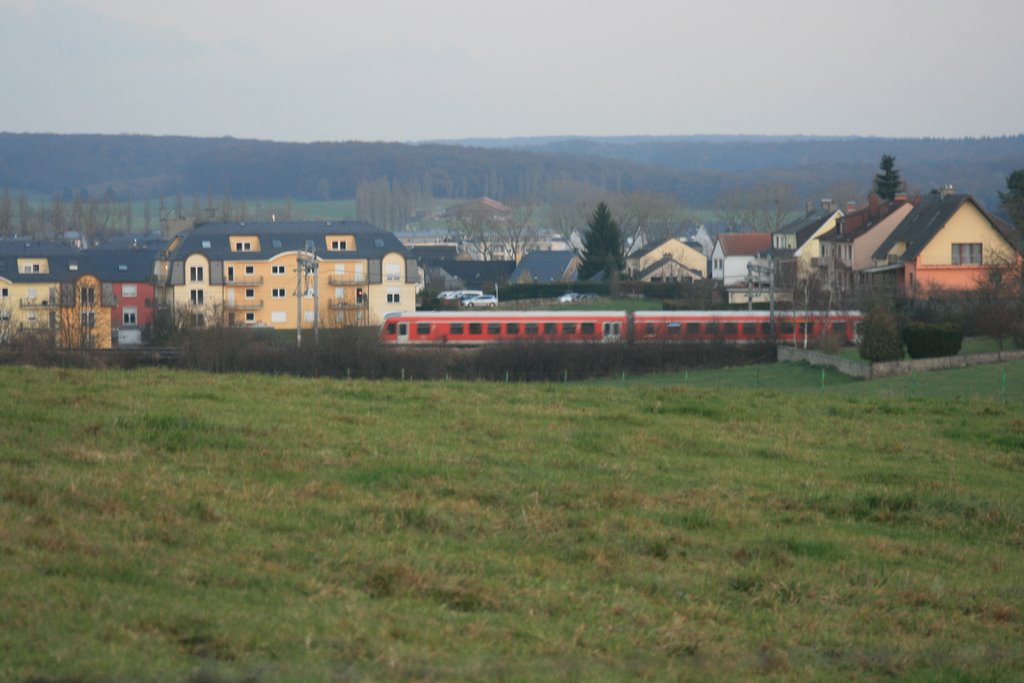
476 328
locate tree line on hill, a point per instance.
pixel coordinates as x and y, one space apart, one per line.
697 172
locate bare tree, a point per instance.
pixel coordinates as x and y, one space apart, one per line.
478 224
518 231
58 214
643 216
997 301
147 216
6 213
24 214
759 208
570 204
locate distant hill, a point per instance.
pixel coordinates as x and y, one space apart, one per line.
696 169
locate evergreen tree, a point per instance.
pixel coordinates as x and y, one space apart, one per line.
887 183
1013 198
602 246
880 338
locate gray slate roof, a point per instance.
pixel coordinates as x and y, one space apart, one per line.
284 236
928 218
129 265
545 266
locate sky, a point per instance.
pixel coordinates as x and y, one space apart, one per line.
411 70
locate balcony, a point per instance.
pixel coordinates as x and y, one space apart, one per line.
32 304
342 305
245 281
344 280
244 305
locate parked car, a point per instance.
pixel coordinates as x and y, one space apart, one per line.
482 301
568 298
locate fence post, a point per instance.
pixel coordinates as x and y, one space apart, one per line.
823 380
1002 390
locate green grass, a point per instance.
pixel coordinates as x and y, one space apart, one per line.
163 526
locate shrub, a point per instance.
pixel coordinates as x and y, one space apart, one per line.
880 336
933 340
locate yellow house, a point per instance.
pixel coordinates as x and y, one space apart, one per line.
281 275
671 260
801 237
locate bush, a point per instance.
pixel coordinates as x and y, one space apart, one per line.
933 340
880 338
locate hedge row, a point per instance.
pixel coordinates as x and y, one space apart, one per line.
933 340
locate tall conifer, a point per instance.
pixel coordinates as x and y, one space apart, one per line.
602 246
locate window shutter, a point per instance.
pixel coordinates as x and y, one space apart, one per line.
374 272
178 273
107 297
216 273
412 271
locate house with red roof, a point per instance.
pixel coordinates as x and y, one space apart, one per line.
733 252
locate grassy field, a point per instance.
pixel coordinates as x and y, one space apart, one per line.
167 526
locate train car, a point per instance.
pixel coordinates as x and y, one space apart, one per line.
477 328
743 326
461 328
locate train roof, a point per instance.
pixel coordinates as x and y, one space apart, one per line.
571 313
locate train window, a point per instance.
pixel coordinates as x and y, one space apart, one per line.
804 328
530 328
649 329
675 328
550 328
391 328
493 328
456 328
568 328
476 328
749 329
730 328
766 329
839 328
512 328
422 328
587 328
692 328
786 327
711 328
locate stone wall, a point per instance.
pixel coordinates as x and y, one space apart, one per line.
865 370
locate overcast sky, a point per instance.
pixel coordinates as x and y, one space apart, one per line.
306 70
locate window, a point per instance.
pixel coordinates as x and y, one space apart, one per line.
476 328
649 329
277 270
493 328
89 319
456 328
278 293
676 328
394 272
512 328
4 293
393 296
129 316
530 328
786 327
587 328
692 328
243 245
550 328
249 270
568 328
196 297
73 265
278 317
839 328
391 328
129 291
88 296
749 329
250 293
766 329
339 245
423 328
199 320
195 274
730 328
276 244
966 254
250 317
206 245
711 328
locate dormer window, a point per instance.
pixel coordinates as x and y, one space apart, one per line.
243 246
73 265
207 244
339 245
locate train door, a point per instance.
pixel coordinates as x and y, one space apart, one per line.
612 331
403 333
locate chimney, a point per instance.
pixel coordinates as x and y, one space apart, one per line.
826 205
946 191
900 198
851 206
809 207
